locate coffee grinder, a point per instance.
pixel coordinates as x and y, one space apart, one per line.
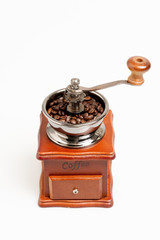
76 143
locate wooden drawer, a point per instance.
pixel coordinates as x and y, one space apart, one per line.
75 187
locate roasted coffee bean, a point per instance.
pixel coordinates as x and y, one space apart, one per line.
91 102
57 117
85 115
51 104
83 121
95 112
91 110
87 105
86 118
86 109
60 100
63 107
60 104
73 121
54 112
81 116
87 98
78 120
56 107
49 110
68 118
90 117
98 107
60 112
101 110
62 120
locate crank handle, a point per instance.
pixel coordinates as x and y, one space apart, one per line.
137 65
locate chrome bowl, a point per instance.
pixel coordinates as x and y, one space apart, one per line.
76 130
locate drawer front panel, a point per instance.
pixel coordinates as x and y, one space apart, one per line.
75 187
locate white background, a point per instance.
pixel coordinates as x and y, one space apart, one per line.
43 44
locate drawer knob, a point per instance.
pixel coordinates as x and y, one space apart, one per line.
75 191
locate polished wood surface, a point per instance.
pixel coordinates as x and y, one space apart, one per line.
59 161
75 167
75 187
138 66
106 201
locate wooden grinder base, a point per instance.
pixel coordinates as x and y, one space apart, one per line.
88 168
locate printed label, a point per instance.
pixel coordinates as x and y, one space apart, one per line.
76 165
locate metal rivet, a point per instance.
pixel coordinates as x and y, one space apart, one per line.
75 191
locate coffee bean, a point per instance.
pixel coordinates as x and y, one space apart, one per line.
87 105
57 117
98 107
87 98
73 121
59 112
78 120
95 112
90 117
95 104
56 107
101 109
60 100
54 112
68 118
51 104
90 102
49 110
81 116
62 120
86 109
98 114
63 107
83 121
85 115
91 110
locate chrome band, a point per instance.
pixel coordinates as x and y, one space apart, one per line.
75 141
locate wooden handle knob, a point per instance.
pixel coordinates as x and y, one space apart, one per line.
138 66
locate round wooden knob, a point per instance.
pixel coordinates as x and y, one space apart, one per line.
138 66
